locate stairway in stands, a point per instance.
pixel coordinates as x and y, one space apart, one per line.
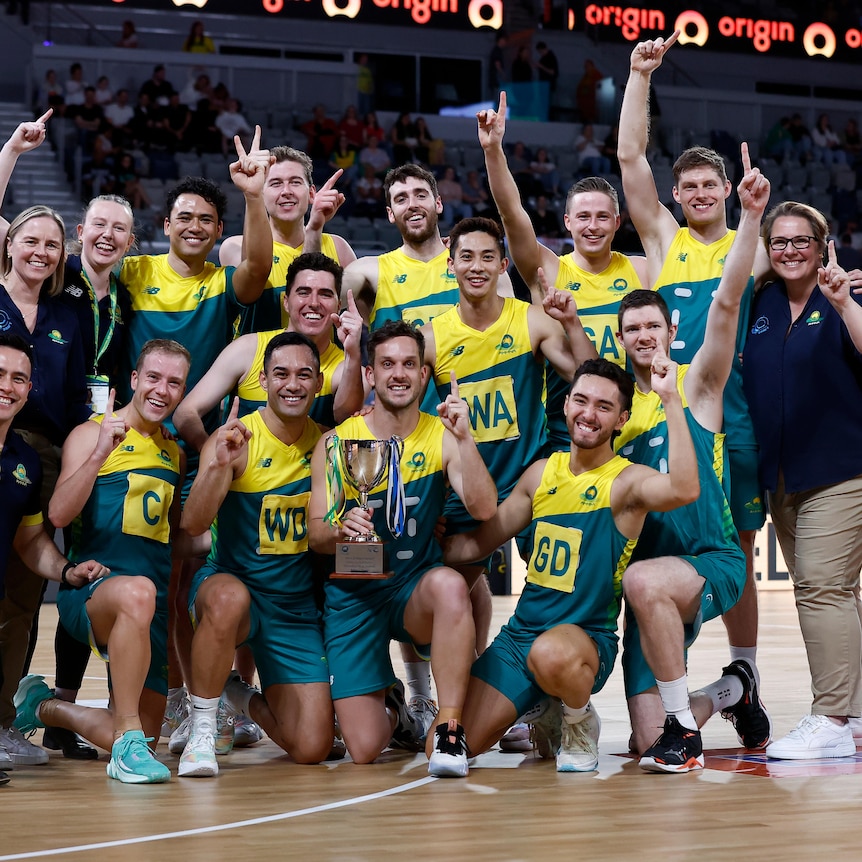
38 177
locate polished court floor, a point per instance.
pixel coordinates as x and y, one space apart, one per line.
511 807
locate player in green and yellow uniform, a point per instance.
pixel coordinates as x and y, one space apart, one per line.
311 299
287 194
596 276
256 586
424 602
685 266
119 489
584 509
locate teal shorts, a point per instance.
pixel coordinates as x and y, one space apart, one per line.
359 619
503 665
287 643
724 580
746 495
72 608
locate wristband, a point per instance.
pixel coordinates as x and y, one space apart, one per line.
66 568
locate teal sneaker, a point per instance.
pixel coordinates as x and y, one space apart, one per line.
32 692
132 762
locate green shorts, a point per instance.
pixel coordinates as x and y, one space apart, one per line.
72 608
746 495
724 580
503 665
287 643
357 630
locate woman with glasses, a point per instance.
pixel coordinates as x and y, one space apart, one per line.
802 370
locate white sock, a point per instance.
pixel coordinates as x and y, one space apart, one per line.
574 715
204 713
724 692
674 699
749 653
418 678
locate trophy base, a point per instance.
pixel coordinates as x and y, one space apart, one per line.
364 560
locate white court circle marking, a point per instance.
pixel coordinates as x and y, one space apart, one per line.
239 824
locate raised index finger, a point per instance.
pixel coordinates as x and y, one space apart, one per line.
501 110
351 303
543 282
234 410
46 116
670 40
746 158
330 183
453 379
109 406
832 256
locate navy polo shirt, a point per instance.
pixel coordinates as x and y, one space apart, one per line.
20 484
58 400
803 382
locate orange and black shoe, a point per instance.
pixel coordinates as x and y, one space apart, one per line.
678 749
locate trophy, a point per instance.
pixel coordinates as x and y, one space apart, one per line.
362 464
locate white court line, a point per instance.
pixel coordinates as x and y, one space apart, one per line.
203 830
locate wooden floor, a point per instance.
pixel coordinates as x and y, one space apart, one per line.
512 807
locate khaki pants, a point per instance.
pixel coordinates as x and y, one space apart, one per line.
820 533
24 589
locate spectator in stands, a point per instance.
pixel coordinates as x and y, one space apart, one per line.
88 118
104 93
51 93
351 126
203 134
827 146
522 66
74 89
585 93
849 257
497 65
373 129
852 141
368 194
545 172
343 157
231 122
219 96
195 90
128 35
610 146
128 182
143 122
176 119
119 114
779 142
373 154
452 195
364 84
800 137
321 135
426 144
519 164
545 221
592 161
404 139
477 195
197 42
547 66
98 163
157 87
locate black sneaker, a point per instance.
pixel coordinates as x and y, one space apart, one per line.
72 746
678 749
449 757
407 735
749 717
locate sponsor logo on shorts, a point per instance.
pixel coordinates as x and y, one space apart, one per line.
755 505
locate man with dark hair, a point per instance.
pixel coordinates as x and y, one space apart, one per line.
548 66
584 509
287 194
424 602
311 300
256 585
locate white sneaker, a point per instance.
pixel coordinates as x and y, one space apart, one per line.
6 762
579 744
856 729
813 738
450 754
246 731
180 736
176 710
424 710
546 724
199 756
516 738
22 752
225 723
